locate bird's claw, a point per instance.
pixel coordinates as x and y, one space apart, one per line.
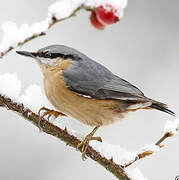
85 143
48 113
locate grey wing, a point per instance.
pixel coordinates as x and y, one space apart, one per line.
92 79
118 88
86 78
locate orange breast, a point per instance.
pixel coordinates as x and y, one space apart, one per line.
90 111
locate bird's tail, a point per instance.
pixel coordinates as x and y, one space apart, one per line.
161 107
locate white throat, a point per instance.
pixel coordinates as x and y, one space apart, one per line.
47 62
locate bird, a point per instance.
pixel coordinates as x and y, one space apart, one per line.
87 91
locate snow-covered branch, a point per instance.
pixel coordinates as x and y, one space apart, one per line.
59 11
112 157
64 135
26 32
170 129
109 156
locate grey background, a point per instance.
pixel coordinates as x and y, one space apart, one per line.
142 48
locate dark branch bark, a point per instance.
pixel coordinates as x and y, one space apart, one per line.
63 135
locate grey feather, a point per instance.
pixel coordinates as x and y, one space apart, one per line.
90 78
86 76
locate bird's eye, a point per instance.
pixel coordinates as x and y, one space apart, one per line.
47 54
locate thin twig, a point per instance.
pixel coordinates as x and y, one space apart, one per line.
52 22
63 135
148 153
165 136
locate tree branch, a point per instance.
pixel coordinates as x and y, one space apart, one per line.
59 11
150 152
51 22
63 135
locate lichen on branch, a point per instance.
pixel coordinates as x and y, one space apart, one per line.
63 135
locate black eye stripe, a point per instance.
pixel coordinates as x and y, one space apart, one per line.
55 55
40 54
64 56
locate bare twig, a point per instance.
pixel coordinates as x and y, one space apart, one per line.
63 135
165 136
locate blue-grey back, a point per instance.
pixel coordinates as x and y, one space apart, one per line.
87 77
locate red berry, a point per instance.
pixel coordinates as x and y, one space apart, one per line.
106 15
95 22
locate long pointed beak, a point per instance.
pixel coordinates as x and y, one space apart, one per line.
26 53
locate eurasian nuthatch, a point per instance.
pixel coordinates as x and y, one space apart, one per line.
81 88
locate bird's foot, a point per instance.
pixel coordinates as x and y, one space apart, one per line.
48 113
85 143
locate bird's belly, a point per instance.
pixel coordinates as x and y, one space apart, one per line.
89 111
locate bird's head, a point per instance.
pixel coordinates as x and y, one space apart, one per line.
53 55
